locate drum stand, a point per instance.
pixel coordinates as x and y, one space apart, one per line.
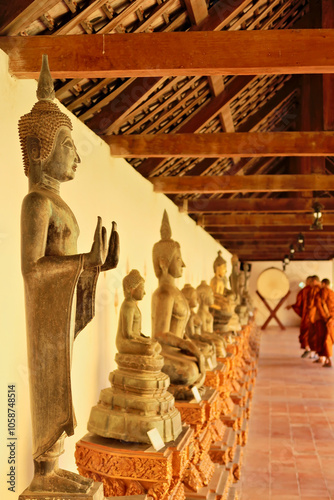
273 312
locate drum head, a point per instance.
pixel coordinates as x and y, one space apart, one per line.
273 284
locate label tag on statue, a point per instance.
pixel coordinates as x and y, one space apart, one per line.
210 364
156 439
196 394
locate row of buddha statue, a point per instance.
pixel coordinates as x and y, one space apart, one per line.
60 289
152 372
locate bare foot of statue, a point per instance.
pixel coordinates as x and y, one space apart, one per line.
54 483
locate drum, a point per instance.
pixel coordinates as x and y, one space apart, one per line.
273 284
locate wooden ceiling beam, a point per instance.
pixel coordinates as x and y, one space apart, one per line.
272 238
242 184
295 205
222 145
258 220
269 256
328 80
192 53
277 249
328 230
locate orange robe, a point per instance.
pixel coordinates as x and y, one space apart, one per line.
314 317
300 308
325 325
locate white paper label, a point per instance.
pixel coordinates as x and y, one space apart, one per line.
196 394
156 439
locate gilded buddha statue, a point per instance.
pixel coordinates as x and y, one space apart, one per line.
183 361
59 285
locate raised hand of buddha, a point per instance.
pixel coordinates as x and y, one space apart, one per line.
113 250
97 255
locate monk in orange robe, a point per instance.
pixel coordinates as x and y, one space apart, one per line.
300 308
325 325
313 314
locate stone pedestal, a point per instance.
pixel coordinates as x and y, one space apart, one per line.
136 468
95 493
136 402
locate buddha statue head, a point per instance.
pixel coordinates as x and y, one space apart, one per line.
191 295
133 285
45 136
219 265
235 261
167 253
205 294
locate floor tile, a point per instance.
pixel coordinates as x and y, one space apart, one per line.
290 449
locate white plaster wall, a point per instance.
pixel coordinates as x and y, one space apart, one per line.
296 272
103 186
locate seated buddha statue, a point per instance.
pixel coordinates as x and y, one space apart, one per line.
206 299
194 329
225 317
137 400
184 363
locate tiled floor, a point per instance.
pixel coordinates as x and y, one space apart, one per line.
290 450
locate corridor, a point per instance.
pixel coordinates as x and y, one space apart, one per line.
290 450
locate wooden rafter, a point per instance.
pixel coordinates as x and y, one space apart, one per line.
178 53
16 14
110 117
199 119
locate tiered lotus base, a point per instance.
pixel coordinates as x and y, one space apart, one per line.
137 401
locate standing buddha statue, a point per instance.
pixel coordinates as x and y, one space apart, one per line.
59 286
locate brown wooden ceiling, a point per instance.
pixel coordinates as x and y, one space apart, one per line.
258 216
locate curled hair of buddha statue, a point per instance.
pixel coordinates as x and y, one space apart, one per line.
44 120
131 281
165 248
218 261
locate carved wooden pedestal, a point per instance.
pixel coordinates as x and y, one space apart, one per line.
236 382
204 417
136 468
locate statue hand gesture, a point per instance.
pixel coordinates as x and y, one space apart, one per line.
113 250
98 253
